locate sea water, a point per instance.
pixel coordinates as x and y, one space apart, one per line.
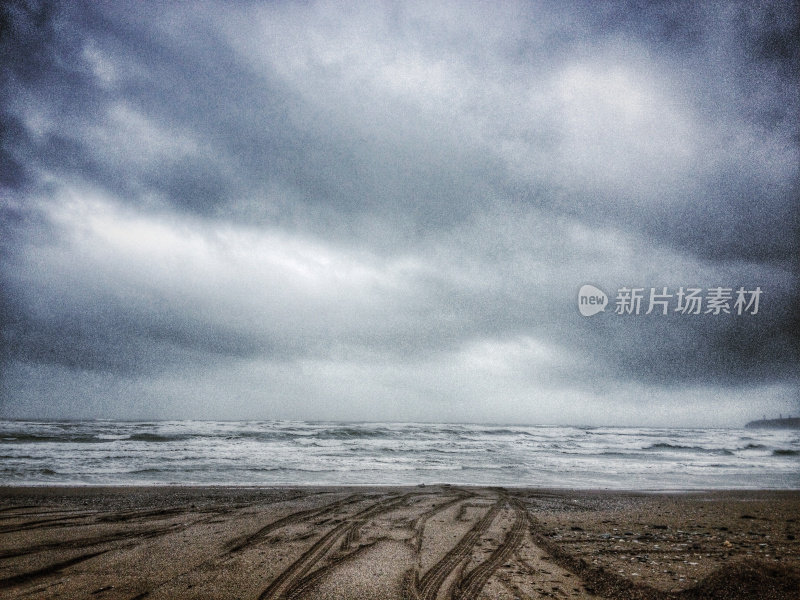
264 453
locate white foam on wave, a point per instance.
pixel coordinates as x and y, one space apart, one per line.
305 453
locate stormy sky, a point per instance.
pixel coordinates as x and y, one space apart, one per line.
379 211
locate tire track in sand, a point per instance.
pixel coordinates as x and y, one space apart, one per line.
243 542
418 524
300 574
50 569
470 586
427 588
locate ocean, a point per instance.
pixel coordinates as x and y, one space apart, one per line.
264 453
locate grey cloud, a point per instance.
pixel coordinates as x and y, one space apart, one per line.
399 185
254 130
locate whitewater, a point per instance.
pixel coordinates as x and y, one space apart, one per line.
266 453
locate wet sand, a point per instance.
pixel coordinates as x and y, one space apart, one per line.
425 543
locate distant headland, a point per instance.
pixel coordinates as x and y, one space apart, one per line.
781 423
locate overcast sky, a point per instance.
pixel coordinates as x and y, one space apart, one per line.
385 211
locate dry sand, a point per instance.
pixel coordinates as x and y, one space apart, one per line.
410 543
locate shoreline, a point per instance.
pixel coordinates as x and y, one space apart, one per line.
385 542
310 486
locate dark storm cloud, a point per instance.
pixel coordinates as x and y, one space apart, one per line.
403 196
249 130
51 74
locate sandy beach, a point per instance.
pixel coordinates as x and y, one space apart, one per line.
410 543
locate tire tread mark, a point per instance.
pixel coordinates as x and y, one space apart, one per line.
603 582
248 540
285 584
354 532
252 538
298 590
410 586
86 542
16 507
352 535
418 525
470 586
241 543
430 583
40 523
50 569
302 565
